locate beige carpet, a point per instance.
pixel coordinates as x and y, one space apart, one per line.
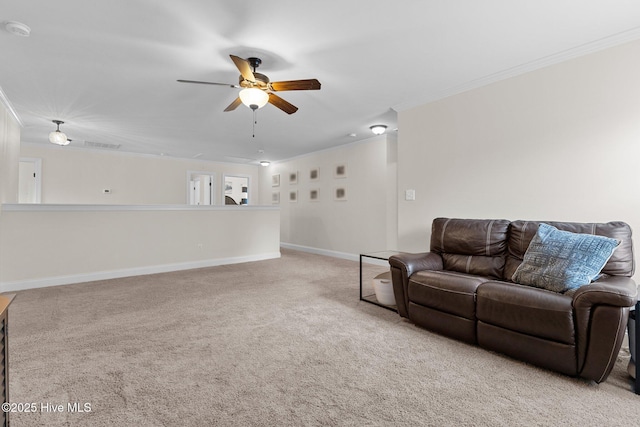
274 343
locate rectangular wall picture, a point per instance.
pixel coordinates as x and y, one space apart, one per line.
340 171
314 174
275 198
293 196
293 177
314 195
340 193
275 180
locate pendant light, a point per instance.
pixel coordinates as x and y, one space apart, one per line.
57 137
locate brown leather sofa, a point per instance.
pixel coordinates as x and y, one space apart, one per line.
462 288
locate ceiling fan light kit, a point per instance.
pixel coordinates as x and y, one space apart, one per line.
57 137
254 98
378 129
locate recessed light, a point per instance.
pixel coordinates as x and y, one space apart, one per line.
17 28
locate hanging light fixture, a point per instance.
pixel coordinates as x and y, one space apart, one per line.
378 129
254 98
57 137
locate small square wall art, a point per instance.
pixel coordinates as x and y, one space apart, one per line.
340 194
340 171
314 174
293 177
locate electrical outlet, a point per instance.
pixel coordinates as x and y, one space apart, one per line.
410 195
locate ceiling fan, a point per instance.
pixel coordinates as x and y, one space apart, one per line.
257 90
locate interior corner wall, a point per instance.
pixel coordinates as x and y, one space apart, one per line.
9 154
559 143
80 176
365 221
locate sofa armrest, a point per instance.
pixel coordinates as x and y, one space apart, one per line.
402 267
601 310
617 291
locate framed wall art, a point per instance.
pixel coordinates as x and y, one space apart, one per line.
314 195
340 194
293 178
275 198
275 180
293 196
340 171
314 174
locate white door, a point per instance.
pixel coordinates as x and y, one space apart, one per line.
29 181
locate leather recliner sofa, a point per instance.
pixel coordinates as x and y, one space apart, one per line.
462 288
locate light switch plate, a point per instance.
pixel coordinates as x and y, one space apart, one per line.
410 195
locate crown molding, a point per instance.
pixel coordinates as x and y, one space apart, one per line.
5 101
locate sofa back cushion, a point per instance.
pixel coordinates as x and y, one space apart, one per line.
621 262
473 246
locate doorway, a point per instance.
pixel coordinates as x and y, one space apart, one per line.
236 189
29 180
201 188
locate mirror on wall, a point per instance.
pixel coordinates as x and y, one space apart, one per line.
201 188
236 190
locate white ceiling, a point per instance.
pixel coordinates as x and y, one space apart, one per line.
109 68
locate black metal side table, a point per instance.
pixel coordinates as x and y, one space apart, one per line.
637 339
371 298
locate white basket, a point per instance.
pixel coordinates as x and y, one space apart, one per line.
384 289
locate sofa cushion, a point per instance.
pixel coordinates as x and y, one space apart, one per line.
446 291
473 246
526 310
558 260
621 262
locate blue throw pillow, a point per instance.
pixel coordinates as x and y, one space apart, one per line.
559 260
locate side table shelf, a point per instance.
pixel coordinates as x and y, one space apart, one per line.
5 300
371 298
637 339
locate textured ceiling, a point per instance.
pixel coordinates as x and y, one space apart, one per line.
109 69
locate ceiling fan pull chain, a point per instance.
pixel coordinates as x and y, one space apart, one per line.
255 121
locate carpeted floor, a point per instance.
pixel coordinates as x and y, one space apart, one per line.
283 342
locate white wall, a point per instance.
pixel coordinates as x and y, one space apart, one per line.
560 143
9 154
366 221
79 176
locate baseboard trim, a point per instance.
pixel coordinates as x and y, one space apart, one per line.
21 285
334 254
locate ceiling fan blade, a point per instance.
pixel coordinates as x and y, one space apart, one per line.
309 84
207 83
282 104
244 67
234 105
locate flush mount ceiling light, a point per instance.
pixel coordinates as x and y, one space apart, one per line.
254 98
265 162
17 28
57 137
378 129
